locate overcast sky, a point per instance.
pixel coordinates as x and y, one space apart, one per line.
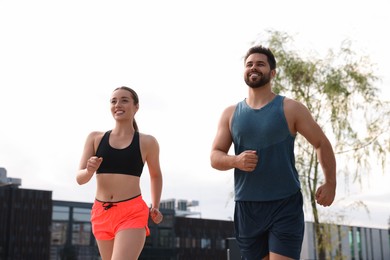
61 60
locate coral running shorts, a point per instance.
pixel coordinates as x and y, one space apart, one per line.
108 218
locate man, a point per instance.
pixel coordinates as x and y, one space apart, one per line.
268 215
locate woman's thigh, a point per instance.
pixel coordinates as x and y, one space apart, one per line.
105 248
129 243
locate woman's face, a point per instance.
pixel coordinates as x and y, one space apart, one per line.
122 105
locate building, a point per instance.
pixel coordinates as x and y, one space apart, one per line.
35 227
25 218
71 232
349 242
176 237
6 181
181 237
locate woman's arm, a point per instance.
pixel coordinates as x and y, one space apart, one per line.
156 180
88 163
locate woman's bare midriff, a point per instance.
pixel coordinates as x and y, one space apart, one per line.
117 187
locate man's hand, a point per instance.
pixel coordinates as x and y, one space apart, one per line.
325 194
247 160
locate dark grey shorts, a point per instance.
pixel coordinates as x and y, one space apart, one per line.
270 226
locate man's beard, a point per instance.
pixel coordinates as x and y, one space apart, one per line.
264 80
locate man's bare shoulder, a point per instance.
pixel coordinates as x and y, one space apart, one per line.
292 104
230 109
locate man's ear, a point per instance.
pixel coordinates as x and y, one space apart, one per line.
273 73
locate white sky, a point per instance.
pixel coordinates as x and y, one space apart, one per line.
60 61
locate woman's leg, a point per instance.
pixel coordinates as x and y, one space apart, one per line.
129 244
105 248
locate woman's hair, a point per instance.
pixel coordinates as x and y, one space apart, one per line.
136 102
262 50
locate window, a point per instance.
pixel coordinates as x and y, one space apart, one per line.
81 214
359 243
177 242
165 238
205 243
81 234
58 233
351 243
60 213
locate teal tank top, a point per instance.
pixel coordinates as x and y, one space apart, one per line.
266 131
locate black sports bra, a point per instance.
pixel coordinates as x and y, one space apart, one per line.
123 161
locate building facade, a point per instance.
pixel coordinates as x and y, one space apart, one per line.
176 237
25 218
71 232
33 226
349 242
183 237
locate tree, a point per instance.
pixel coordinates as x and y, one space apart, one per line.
340 91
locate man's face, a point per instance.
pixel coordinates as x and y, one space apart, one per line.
257 71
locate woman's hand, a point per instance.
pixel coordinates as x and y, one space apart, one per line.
156 215
93 164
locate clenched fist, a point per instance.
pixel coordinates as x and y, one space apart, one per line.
247 160
156 215
93 164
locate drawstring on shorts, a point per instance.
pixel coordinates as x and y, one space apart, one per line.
108 205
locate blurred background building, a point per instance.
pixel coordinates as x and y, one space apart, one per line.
35 227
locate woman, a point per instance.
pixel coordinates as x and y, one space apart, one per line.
119 215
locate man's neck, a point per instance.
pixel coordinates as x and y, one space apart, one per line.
259 97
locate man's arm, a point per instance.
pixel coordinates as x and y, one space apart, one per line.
219 157
302 122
